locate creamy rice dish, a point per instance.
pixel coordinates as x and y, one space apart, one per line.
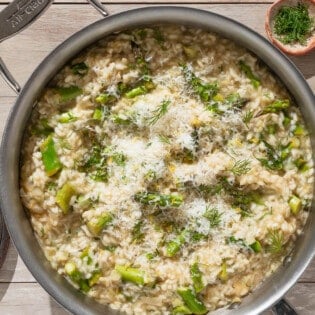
166 171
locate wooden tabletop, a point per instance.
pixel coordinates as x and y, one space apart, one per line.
20 294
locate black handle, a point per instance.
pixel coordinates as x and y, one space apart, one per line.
283 308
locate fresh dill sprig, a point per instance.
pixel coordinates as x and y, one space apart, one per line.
241 167
276 241
293 24
213 215
275 156
248 117
159 112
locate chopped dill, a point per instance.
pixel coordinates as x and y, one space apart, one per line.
159 112
293 24
248 117
275 156
241 167
276 241
213 215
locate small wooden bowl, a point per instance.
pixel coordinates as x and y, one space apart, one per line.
296 49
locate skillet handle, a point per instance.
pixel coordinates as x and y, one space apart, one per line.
283 308
17 16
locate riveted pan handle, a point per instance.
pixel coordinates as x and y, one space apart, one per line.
17 16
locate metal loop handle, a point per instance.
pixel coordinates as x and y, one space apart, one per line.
98 6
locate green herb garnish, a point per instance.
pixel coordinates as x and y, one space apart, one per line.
248 117
213 215
80 69
159 112
276 241
293 24
241 167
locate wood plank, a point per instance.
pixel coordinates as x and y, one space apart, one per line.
5 106
106 3
31 299
13 269
27 299
23 52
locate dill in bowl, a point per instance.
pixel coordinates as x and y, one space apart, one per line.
293 24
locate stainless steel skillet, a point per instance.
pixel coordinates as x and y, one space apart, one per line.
19 227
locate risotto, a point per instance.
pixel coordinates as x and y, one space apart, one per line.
166 171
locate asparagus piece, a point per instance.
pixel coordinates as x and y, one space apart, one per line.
157 199
130 274
142 89
68 93
181 310
76 276
104 98
64 196
277 106
295 204
174 246
191 301
97 224
256 246
249 74
50 158
196 276
223 276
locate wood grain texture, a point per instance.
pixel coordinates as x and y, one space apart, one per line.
19 292
24 52
106 3
31 299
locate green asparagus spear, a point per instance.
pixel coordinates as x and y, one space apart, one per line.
181 310
156 199
277 106
191 301
174 246
223 276
97 224
68 93
64 196
76 276
256 246
249 74
130 274
196 276
50 157
295 204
